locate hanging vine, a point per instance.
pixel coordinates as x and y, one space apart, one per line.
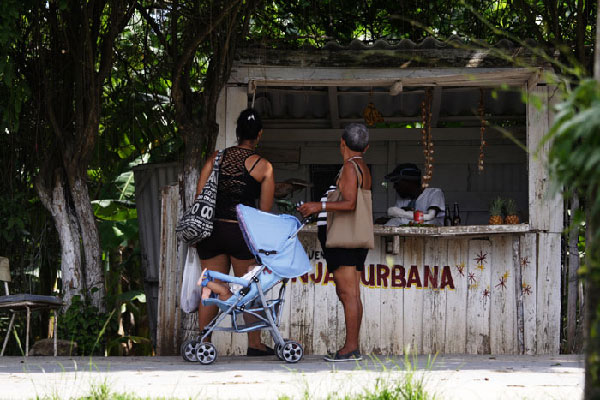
481 110
427 137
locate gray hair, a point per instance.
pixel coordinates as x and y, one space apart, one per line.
356 136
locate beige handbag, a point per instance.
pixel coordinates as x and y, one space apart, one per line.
351 229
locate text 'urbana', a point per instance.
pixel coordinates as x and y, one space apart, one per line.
395 277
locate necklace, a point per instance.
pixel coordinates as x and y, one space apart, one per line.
352 158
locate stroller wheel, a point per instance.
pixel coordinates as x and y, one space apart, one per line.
206 353
279 348
188 350
291 352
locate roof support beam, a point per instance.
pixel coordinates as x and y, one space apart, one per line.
333 107
436 104
298 76
384 134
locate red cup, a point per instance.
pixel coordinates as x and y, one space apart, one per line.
418 217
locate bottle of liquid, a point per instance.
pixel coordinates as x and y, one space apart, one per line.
456 215
448 217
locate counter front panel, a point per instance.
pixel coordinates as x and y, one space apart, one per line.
491 294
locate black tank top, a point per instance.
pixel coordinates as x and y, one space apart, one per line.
236 185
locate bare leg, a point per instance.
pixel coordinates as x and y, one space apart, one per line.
221 264
360 304
240 267
346 281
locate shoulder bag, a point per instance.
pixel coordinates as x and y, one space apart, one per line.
196 223
351 229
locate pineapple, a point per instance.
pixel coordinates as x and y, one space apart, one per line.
511 212
496 211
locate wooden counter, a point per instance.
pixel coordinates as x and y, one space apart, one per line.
441 231
465 289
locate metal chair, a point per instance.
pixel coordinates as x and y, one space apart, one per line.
25 302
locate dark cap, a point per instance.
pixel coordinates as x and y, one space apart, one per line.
407 172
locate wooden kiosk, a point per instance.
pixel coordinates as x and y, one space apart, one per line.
474 288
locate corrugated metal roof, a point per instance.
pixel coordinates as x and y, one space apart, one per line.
452 52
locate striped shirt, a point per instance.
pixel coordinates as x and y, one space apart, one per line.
322 217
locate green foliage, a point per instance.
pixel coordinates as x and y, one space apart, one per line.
299 22
496 206
84 324
575 151
510 208
575 165
15 217
574 155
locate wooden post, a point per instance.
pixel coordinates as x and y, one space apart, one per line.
518 294
168 321
27 336
545 215
545 208
572 278
232 101
55 334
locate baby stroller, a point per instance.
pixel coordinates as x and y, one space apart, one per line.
273 241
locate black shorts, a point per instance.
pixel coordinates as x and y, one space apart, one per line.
226 239
337 257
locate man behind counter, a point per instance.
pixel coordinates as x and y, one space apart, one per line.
411 196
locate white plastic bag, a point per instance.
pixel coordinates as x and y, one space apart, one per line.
190 292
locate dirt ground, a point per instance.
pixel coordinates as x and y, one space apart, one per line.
450 377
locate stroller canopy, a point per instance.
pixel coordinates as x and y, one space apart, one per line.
273 240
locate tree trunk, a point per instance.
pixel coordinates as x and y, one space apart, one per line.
93 272
53 197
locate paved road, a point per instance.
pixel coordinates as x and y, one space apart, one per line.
451 377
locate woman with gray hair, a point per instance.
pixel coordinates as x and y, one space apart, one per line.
346 264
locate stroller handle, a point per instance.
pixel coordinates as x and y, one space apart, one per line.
306 220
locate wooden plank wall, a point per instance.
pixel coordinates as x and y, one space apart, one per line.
169 277
405 306
473 295
494 294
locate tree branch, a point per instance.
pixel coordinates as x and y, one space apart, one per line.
526 9
155 28
190 48
118 20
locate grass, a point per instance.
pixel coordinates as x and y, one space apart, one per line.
383 380
102 391
399 382
396 383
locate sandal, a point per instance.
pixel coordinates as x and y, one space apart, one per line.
252 352
337 357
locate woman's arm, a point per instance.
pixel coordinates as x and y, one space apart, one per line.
262 171
267 187
348 186
205 173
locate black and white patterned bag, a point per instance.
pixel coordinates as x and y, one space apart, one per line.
196 223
